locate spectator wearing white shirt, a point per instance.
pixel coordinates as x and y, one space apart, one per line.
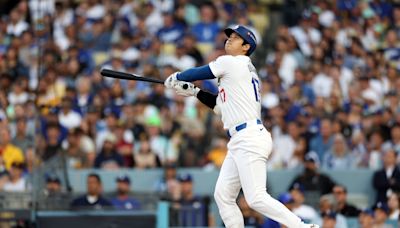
17 25
67 117
16 182
301 209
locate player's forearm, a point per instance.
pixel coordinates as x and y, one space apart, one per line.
206 98
196 73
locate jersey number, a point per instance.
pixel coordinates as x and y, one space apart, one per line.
256 87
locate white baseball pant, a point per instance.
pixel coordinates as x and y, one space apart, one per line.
246 166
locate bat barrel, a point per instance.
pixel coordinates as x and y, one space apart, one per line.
127 76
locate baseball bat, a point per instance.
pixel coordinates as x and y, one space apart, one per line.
126 76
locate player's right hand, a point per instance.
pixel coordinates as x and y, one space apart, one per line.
171 81
186 89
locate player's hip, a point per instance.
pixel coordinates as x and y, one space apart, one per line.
255 139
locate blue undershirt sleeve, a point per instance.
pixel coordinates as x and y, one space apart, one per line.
196 73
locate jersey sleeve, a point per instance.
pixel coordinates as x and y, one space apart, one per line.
220 65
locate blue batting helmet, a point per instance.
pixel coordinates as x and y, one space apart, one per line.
246 35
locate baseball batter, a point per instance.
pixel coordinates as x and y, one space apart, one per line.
238 102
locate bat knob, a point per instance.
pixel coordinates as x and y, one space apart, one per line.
185 86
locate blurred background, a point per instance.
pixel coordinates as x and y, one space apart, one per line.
77 149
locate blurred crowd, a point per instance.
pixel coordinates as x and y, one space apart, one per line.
330 73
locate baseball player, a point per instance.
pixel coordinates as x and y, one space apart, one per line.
239 104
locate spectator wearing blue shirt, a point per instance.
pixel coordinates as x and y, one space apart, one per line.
123 201
172 31
207 29
322 142
93 198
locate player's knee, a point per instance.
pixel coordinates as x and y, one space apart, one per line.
258 200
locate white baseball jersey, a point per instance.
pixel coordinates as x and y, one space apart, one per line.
239 89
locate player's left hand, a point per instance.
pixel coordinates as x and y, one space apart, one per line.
171 81
186 89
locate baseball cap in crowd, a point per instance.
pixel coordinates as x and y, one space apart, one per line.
246 34
382 206
329 214
297 186
52 179
368 211
285 198
185 178
123 178
311 157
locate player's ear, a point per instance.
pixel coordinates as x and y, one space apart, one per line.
246 47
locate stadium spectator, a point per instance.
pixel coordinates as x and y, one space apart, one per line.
22 139
339 156
108 158
323 141
169 186
9 152
52 144
123 201
329 219
394 206
387 179
326 206
53 185
301 209
366 218
311 179
93 198
342 206
75 157
16 180
145 158
381 212
205 31
195 211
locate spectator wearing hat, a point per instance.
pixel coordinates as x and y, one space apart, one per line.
123 201
193 209
109 158
93 199
366 218
301 209
342 206
381 212
16 181
311 178
329 219
387 179
53 185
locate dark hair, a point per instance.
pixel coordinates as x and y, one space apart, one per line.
96 176
342 187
